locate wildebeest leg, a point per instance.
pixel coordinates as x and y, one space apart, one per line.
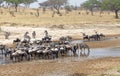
74 52
38 55
44 55
19 58
2 51
50 54
57 54
47 55
41 55
53 54
5 55
28 57
84 51
14 59
61 52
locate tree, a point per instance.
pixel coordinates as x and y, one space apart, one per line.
28 2
90 5
68 8
55 5
44 5
15 3
113 5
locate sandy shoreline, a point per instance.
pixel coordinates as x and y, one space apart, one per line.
56 33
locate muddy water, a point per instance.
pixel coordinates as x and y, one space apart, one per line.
94 53
3 60
105 52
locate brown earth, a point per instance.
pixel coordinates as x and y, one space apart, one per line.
95 67
103 44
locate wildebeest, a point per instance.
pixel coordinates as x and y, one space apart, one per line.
37 42
95 36
18 55
62 49
85 37
101 35
55 51
16 42
65 40
46 39
47 53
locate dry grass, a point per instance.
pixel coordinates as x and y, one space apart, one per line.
73 18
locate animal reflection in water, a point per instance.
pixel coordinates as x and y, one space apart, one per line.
84 50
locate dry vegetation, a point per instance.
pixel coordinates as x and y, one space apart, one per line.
27 17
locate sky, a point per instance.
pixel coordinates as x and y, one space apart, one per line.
71 2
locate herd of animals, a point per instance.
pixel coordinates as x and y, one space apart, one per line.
46 48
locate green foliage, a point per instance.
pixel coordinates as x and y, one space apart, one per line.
111 4
68 8
28 1
14 1
53 3
90 4
17 2
44 4
59 2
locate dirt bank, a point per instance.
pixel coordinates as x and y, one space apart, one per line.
56 68
105 43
